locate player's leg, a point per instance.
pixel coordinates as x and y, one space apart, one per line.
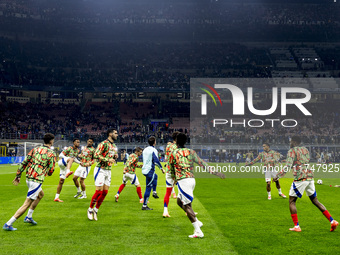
169 187
126 177
8 225
76 183
296 190
103 193
83 175
29 217
135 182
59 188
68 167
278 186
154 186
310 191
173 192
99 183
269 189
149 182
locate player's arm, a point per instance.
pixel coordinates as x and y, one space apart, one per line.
172 166
156 161
51 165
23 167
202 163
288 166
255 160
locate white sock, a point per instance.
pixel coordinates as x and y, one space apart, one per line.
56 196
90 209
197 228
11 221
173 190
269 193
280 192
30 213
83 193
95 209
78 189
165 209
154 192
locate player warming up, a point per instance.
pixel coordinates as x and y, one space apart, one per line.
39 162
298 160
270 159
66 159
169 180
106 155
150 159
130 175
84 168
181 166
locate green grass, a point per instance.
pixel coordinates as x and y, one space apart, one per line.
236 214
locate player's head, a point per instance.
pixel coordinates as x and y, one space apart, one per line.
90 141
181 140
174 135
49 139
152 141
138 151
76 142
295 141
266 146
112 133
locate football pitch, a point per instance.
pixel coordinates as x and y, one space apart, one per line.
237 218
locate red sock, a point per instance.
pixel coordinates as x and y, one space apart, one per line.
95 198
295 219
327 215
167 196
101 198
121 187
139 192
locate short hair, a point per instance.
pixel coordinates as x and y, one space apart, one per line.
48 137
174 135
267 144
296 139
151 140
109 131
181 139
91 138
75 139
138 149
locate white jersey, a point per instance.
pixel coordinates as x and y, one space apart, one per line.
150 159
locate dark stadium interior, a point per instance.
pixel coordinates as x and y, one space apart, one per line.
75 68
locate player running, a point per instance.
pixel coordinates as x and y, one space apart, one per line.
84 168
66 159
150 159
270 158
39 162
106 154
169 180
130 175
298 159
181 166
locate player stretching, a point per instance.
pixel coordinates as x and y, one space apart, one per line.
270 158
169 180
66 159
130 175
106 153
181 166
84 168
298 159
39 162
150 159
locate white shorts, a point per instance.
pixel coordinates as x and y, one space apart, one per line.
248 160
269 175
130 177
297 189
102 177
169 181
34 189
186 190
82 171
63 162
